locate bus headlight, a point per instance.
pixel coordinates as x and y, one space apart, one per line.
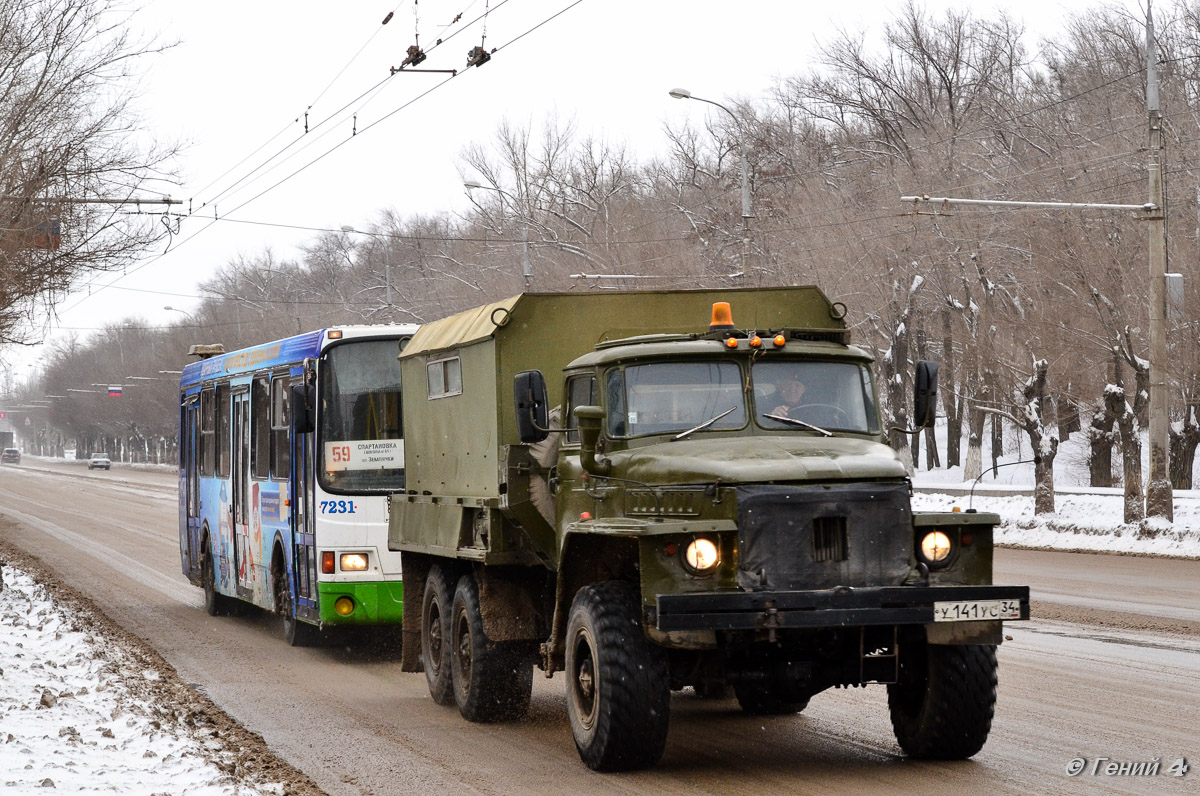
935 548
701 556
354 562
344 606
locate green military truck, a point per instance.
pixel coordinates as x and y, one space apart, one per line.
636 490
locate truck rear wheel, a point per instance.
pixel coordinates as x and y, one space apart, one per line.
618 691
435 636
758 699
943 701
492 682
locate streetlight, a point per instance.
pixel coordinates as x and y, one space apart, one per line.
683 93
527 267
387 268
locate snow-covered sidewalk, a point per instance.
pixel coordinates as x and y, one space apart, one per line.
83 711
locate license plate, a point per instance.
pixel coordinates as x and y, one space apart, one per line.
972 610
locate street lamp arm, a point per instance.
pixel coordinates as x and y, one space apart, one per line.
683 93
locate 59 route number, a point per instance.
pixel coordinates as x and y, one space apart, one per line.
337 506
340 454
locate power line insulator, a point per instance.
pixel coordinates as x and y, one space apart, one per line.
477 56
415 56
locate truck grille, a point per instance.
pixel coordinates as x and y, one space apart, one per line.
829 539
795 538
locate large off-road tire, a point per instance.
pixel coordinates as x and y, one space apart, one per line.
944 699
297 632
492 682
758 699
435 636
215 603
618 691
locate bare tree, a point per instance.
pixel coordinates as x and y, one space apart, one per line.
66 110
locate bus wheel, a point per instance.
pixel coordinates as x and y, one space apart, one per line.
943 701
491 682
297 632
435 635
215 603
618 691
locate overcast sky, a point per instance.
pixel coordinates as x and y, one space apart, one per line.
237 86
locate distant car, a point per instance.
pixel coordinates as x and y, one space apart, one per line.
10 456
99 460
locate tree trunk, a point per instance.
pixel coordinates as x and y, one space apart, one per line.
1100 446
997 443
974 466
1044 445
1183 450
952 403
895 366
1131 450
1043 484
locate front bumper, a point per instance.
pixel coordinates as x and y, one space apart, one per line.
844 606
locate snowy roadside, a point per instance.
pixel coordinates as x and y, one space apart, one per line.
88 709
1083 522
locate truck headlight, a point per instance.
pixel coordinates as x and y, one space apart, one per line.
354 562
701 556
935 548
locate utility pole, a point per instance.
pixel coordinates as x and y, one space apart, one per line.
1159 497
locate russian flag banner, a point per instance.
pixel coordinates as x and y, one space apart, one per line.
114 392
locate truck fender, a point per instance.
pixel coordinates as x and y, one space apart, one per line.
585 559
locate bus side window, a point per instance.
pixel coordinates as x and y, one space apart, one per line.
260 428
208 433
281 451
224 442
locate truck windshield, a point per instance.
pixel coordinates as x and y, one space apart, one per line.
362 436
830 395
670 397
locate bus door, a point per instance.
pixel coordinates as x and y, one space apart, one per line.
245 554
189 459
304 552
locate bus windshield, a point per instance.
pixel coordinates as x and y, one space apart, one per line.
361 433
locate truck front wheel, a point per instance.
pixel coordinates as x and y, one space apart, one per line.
492 682
618 691
435 636
944 699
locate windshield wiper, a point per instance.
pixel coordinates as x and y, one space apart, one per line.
794 421
704 425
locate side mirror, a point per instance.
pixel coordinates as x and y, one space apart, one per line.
591 418
925 394
303 415
529 397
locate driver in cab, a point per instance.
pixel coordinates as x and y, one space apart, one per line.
789 391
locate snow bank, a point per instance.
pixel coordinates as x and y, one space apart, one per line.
79 712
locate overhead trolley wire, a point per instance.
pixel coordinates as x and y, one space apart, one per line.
328 152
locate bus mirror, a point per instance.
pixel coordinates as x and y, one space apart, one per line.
925 394
303 421
529 397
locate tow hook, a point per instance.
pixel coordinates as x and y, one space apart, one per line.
769 621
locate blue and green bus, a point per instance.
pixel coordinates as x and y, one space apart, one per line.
288 452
